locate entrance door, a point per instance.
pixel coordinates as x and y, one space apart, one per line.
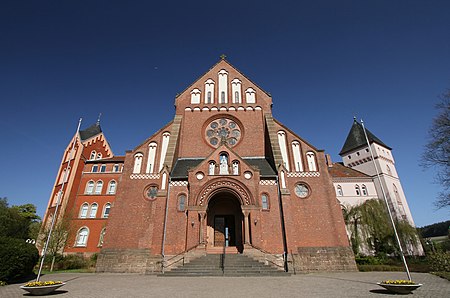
224 230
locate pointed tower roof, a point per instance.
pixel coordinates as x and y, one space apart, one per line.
91 131
356 138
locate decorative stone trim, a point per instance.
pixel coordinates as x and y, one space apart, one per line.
144 176
229 184
222 108
267 182
303 174
178 183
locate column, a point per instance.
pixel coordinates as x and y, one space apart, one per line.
202 215
246 227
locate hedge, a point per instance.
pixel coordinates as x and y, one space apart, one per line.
17 258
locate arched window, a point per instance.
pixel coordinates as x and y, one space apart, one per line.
364 190
93 212
82 237
99 155
339 191
250 95
89 188
66 174
195 96
164 145
84 210
102 237
265 202
209 98
310 157
236 96
283 148
235 167
93 155
137 163
209 91
297 156
223 85
388 169
98 187
106 210
112 187
236 90
151 157
181 202
357 190
212 167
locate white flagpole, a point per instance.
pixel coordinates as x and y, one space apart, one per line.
387 203
44 252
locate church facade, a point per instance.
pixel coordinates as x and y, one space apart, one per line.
222 176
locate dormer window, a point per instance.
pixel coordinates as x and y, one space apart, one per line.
93 155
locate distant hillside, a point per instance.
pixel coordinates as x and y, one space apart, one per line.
434 230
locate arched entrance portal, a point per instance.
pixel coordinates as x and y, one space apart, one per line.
225 221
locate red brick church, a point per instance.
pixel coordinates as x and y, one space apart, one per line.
222 175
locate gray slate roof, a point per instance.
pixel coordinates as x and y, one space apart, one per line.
90 131
356 139
180 170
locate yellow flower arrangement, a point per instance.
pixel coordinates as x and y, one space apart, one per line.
42 283
398 282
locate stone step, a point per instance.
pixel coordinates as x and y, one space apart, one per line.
234 265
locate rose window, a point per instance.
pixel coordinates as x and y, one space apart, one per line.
223 130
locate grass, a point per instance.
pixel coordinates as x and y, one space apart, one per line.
82 270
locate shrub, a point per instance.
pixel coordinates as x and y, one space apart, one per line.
72 262
439 261
17 258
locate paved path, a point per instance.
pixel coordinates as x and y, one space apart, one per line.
356 284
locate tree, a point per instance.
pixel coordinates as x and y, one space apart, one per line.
437 151
61 232
369 227
12 223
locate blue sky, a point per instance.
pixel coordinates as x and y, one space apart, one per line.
323 62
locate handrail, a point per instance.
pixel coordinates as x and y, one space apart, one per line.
268 253
222 257
168 265
177 255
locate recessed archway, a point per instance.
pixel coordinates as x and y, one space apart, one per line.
225 221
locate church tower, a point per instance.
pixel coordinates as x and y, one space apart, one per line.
356 155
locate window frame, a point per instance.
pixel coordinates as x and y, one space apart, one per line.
85 237
267 203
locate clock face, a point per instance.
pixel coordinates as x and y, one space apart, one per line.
223 130
301 190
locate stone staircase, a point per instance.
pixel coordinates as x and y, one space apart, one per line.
234 265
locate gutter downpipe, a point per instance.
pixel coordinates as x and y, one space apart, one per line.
283 228
165 226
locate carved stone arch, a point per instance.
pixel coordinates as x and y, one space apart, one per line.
233 186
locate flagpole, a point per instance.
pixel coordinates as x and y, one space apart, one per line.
44 252
387 203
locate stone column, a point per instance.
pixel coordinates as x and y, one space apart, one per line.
246 227
202 215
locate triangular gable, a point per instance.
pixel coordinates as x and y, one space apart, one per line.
183 100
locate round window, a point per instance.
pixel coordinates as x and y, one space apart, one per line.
151 192
302 190
223 130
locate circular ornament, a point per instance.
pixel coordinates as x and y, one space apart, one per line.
247 175
151 192
302 190
199 175
223 130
